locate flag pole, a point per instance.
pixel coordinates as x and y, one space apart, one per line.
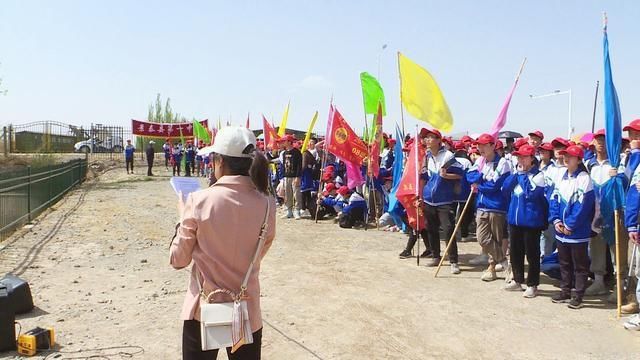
401 108
366 183
618 267
322 165
417 145
595 105
455 230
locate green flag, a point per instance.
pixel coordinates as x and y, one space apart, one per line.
371 94
200 132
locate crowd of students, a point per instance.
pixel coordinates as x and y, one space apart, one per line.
530 199
194 164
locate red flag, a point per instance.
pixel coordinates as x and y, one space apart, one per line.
374 154
270 134
248 115
408 190
343 141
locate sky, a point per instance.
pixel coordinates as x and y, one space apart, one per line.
83 62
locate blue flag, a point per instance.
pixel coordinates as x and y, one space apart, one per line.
613 190
395 208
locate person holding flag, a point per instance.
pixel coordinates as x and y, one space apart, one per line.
601 173
441 173
490 203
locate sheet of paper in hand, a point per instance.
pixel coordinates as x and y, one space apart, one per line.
186 185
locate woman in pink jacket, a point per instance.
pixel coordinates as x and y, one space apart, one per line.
218 230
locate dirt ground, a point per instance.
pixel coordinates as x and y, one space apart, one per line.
98 268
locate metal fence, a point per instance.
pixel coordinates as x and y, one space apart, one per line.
45 137
26 192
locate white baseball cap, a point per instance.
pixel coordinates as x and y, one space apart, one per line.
232 141
152 142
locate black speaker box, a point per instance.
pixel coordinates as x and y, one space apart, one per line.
19 294
7 321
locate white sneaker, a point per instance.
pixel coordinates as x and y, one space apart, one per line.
482 259
633 323
296 214
531 292
597 288
513 286
455 269
287 215
504 265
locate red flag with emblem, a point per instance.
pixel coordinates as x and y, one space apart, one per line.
408 188
344 142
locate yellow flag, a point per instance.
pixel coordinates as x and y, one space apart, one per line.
308 136
421 95
283 122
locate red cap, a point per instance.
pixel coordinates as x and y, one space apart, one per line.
525 150
449 141
520 142
499 145
391 142
466 139
537 133
424 132
343 190
573 150
546 146
560 142
485 139
460 146
634 125
598 133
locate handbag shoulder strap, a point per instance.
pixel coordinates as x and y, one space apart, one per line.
262 235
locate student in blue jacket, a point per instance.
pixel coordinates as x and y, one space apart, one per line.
491 205
353 212
527 217
440 174
571 210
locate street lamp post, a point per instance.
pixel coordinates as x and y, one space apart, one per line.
558 92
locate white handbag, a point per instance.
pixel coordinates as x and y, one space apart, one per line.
227 324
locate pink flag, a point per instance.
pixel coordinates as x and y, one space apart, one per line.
502 116
354 175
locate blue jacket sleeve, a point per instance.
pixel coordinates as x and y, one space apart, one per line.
474 176
554 207
509 184
631 210
580 210
491 186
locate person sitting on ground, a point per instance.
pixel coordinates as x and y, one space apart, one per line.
355 209
326 202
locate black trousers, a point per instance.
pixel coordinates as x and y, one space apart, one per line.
129 163
187 169
444 216
307 202
574 267
468 216
192 345
525 241
166 162
176 168
149 167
